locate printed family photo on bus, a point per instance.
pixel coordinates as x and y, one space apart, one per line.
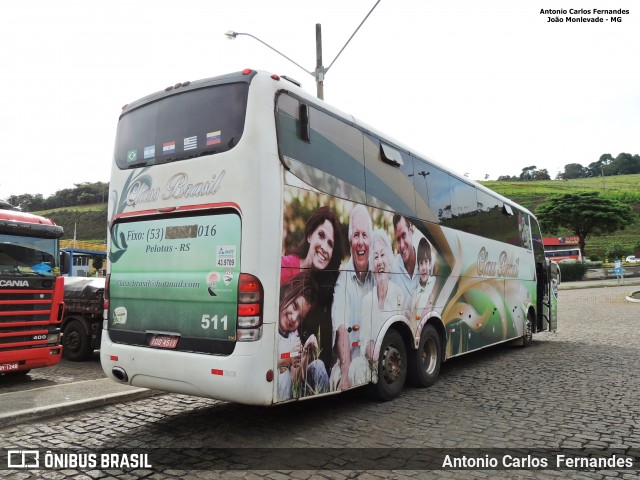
357 287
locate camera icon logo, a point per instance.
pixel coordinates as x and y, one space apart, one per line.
23 459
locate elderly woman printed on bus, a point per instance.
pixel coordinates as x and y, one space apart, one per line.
321 248
384 300
300 372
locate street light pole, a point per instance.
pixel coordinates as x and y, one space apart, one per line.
231 35
319 67
320 71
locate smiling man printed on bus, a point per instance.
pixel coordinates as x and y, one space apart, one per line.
354 282
406 262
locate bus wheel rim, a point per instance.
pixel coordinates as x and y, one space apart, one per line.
429 356
391 364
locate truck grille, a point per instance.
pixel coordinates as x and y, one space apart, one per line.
25 316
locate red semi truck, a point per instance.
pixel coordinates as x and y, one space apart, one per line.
31 292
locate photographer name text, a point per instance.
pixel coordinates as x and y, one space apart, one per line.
584 15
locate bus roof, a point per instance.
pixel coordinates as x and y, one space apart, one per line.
248 74
189 85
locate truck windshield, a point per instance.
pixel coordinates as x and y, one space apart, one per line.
23 255
186 125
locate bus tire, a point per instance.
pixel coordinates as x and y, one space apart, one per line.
527 338
392 367
75 341
424 362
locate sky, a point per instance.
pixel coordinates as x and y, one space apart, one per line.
485 87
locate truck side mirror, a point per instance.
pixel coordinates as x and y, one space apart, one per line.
65 263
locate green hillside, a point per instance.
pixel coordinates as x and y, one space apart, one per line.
89 222
624 188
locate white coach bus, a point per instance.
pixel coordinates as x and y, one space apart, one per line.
265 247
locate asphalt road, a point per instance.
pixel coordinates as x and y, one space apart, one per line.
576 389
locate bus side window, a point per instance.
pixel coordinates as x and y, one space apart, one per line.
489 215
439 193
320 149
464 206
389 177
426 209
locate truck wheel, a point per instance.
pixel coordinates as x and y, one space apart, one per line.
76 342
392 367
424 363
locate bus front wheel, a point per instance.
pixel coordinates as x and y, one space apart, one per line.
392 367
527 338
424 362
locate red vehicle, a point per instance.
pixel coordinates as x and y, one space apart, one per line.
31 292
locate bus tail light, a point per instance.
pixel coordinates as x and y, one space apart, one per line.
250 296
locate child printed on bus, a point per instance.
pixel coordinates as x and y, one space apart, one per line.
424 296
300 372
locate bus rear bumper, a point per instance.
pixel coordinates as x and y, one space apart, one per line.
240 377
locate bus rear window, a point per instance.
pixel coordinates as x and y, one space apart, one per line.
181 126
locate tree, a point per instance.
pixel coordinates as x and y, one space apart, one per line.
97 262
615 251
600 167
532 173
573 170
625 164
527 173
584 214
540 174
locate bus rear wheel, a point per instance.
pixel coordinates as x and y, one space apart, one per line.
392 367
424 362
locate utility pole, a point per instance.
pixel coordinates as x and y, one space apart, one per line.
320 70
319 67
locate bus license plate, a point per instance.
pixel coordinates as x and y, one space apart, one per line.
163 341
8 367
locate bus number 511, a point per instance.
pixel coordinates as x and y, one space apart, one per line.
207 321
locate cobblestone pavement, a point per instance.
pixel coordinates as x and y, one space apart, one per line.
577 388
